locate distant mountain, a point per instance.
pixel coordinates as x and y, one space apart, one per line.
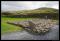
45 10
35 11
39 10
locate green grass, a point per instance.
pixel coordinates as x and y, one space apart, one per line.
5 28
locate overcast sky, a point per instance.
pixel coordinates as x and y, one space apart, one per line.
27 5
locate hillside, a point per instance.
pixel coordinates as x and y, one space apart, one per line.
35 11
38 11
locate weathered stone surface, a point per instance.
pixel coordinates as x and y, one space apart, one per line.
36 25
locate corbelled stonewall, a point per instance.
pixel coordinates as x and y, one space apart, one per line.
36 25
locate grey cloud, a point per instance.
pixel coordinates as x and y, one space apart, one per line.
20 5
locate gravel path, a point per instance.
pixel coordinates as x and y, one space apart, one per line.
52 35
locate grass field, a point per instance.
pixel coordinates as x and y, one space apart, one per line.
5 28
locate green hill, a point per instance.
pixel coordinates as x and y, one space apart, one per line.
38 11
